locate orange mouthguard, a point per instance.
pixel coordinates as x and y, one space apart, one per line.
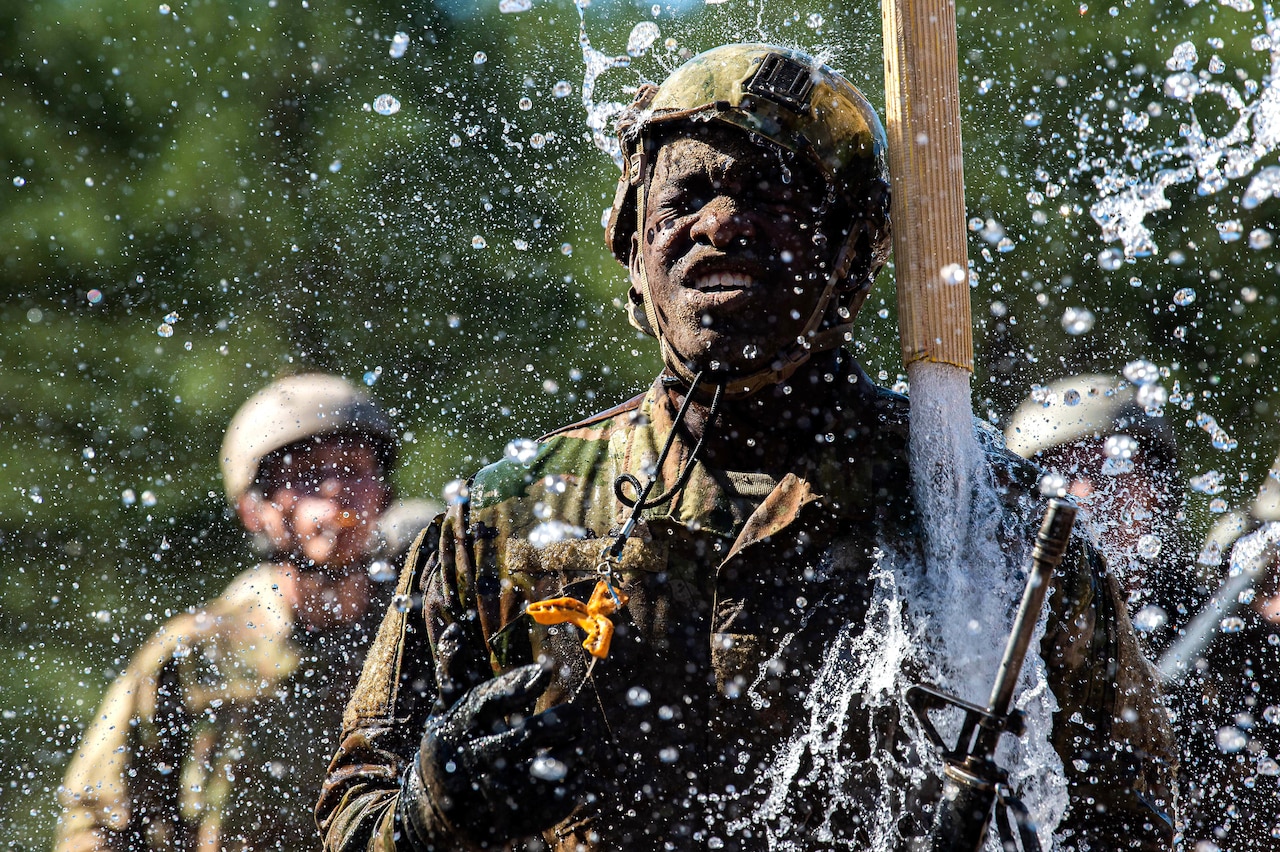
592 616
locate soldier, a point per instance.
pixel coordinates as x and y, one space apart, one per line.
1120 462
736 544
1225 667
216 735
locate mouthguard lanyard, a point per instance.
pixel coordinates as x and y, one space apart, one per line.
593 616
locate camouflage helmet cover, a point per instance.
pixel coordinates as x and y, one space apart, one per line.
294 409
780 94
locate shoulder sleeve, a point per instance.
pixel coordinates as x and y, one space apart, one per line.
1111 730
397 690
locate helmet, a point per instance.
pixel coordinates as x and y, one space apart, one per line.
1087 406
294 409
801 105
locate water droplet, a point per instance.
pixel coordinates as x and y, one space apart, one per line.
478 242
953 273
1210 482
128 497
1122 447
401 603
521 450
553 531
480 58
814 21
562 89
1218 506
1053 484
1183 58
172 317
1149 619
165 330
1271 715
94 296
381 571
525 104
1211 555
1230 231
638 696
547 768
455 141
751 352
399 44
670 754
642 37
1152 398
537 141
1183 86
510 6
1268 766
19 181
89 452
1260 238
1071 397
457 492
1032 119
1231 739
1077 321
386 105
1141 372
1110 259
566 249
1184 297
1005 245
1149 547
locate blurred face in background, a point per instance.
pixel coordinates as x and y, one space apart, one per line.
1127 493
318 502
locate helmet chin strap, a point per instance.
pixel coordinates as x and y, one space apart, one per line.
741 385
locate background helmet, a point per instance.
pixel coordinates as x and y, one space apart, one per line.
294 409
1087 406
796 102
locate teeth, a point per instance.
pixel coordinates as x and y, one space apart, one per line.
724 281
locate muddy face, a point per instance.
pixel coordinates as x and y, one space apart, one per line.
733 248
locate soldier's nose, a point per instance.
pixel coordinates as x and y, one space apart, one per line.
722 223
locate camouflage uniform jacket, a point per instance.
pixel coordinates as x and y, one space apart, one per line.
737 588
217 735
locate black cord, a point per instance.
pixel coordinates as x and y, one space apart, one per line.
641 501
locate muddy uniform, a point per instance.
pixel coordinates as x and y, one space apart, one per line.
217 735
741 593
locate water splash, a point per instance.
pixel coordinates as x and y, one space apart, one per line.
1125 199
866 672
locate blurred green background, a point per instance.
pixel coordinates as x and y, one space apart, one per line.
198 196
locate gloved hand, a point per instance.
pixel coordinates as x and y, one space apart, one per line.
488 769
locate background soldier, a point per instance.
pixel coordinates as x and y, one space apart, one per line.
216 736
755 613
1120 463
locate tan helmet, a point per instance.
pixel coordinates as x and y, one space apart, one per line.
294 409
796 102
1086 406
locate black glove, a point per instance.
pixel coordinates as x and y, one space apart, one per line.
487 771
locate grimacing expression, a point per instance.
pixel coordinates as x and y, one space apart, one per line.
733 247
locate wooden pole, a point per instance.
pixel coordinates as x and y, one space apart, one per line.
922 112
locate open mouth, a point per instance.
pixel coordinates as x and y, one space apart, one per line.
722 282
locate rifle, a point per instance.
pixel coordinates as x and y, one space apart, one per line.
1248 567
972 782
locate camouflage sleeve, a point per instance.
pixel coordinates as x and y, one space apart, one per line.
359 805
121 789
1111 728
